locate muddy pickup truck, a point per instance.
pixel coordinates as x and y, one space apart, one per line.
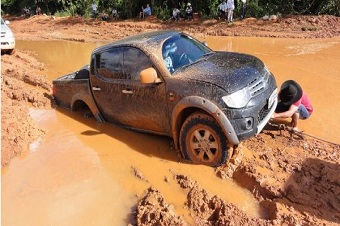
169 83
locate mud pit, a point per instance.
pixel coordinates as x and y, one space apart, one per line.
295 180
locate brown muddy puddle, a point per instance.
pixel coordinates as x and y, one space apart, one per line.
81 173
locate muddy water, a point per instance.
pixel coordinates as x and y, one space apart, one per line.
81 172
60 56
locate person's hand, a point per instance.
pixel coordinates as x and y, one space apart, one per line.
273 115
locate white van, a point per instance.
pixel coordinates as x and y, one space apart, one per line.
7 38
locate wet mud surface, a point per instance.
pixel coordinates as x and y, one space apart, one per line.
294 178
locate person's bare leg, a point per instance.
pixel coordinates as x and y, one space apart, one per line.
295 118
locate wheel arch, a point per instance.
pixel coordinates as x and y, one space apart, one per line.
79 101
188 105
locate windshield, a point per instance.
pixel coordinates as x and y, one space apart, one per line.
182 50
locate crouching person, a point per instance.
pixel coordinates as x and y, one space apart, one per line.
293 103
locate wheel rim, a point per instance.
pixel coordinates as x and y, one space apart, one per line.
204 145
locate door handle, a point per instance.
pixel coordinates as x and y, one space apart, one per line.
127 91
96 88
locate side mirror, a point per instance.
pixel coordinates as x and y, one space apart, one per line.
149 75
7 22
205 43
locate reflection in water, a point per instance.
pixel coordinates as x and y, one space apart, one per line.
311 48
80 173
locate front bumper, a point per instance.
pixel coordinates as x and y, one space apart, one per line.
7 43
250 120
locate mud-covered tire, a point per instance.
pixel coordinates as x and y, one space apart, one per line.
11 51
202 140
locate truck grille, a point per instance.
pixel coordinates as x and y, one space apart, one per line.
263 113
256 86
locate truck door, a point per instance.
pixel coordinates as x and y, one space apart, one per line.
120 95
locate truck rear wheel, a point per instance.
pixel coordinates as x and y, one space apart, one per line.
202 140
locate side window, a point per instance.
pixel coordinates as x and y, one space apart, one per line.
110 64
134 62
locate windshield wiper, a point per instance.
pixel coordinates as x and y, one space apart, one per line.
200 59
203 57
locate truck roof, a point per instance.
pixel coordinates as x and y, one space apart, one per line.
145 41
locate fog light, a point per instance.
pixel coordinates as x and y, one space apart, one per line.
247 123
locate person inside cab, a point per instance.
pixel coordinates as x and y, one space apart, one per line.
168 51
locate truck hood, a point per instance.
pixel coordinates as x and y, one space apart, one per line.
228 70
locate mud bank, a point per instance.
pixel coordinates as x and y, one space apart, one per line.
23 85
77 29
295 182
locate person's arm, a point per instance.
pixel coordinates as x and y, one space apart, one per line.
286 114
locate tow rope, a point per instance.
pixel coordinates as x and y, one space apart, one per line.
300 134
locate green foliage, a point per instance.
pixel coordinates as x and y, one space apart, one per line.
128 9
269 7
254 10
162 8
83 8
162 13
331 7
62 13
182 9
4 6
75 8
213 8
15 7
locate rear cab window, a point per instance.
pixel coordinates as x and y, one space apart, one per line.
121 63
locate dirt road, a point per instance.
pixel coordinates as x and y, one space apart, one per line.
295 179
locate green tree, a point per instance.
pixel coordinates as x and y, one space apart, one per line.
162 8
331 7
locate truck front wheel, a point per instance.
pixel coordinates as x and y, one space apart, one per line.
202 140
11 51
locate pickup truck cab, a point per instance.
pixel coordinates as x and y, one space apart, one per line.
168 83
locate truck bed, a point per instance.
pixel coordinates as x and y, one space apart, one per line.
70 86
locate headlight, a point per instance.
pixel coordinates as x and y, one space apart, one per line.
266 73
238 99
